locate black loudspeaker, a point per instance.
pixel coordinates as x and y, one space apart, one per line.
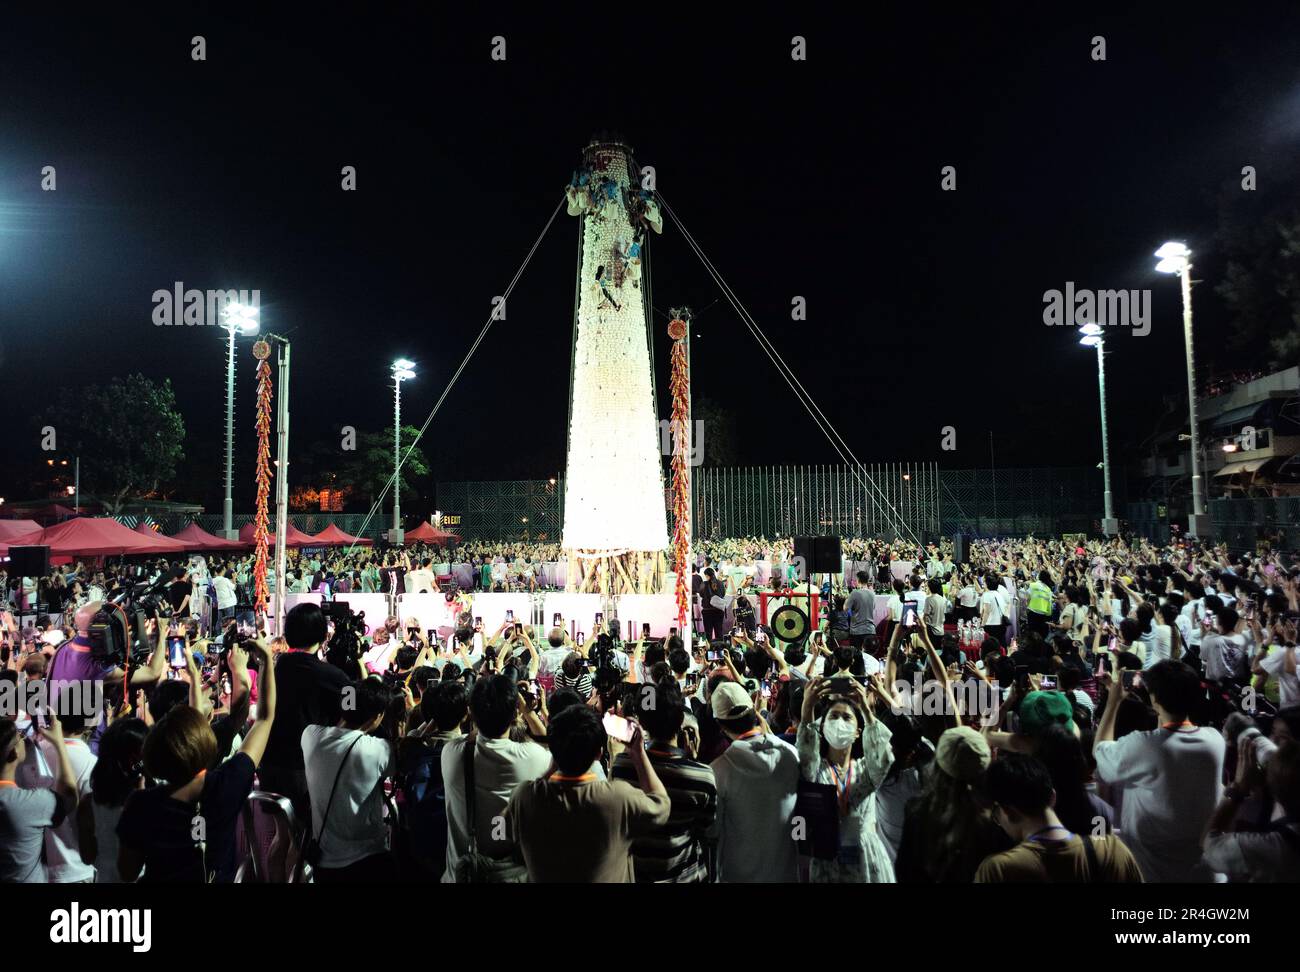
820 555
959 548
29 561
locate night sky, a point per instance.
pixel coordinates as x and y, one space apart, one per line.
819 179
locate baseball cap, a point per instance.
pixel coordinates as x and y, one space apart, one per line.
1038 710
963 754
730 701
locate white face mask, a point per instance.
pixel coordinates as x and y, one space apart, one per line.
839 733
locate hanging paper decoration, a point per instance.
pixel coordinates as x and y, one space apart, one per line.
680 385
262 351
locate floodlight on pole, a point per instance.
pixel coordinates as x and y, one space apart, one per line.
1175 257
401 371
1094 337
237 319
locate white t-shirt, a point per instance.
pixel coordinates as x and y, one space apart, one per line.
968 597
1172 782
994 608
355 827
1288 685
1158 645
226 596
63 863
500 765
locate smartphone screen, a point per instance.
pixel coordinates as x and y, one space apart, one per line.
555 620
909 615
431 634
767 690
617 727
645 631
478 624
600 619
1047 682
581 638
510 615
714 655
672 632
176 651
1131 680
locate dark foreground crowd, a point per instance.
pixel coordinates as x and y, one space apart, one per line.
1046 712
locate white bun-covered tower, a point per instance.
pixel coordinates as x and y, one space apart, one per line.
615 522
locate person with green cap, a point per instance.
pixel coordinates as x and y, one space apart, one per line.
1037 711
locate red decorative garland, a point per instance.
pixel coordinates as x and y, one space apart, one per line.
260 533
680 384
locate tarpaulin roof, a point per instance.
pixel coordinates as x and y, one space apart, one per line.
427 533
87 536
332 536
196 538
16 528
164 544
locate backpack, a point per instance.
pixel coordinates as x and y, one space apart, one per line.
424 807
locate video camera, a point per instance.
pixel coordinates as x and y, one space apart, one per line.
343 649
117 628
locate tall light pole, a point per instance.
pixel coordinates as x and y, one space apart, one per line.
282 477
403 370
236 319
1176 258
1094 337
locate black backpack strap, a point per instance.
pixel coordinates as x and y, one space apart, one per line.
330 803
471 747
1094 874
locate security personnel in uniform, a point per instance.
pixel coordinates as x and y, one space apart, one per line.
1039 608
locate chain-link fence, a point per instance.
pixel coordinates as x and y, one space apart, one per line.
880 499
520 509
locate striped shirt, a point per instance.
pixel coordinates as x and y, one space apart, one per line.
674 853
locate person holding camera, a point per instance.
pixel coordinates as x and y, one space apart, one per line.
1264 854
183 830
575 828
28 815
1171 775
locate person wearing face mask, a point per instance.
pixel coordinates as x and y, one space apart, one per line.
841 743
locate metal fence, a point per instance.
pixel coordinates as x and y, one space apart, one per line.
521 509
871 500
1242 523
849 501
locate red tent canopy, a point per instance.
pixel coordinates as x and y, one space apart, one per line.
332 536
196 538
17 528
246 536
87 537
293 537
427 533
164 544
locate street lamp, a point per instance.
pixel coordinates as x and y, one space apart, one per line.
1176 258
236 319
1094 337
402 370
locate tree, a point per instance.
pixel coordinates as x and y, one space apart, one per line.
370 468
127 433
